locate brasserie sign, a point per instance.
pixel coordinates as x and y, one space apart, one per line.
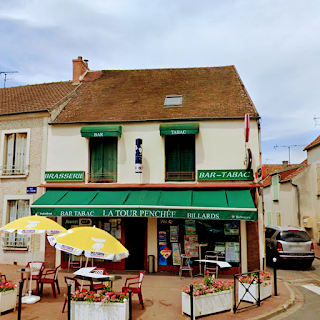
64 176
210 175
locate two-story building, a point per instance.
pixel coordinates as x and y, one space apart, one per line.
24 115
159 159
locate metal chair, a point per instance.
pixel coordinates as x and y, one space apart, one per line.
74 263
137 286
185 265
213 268
75 285
50 277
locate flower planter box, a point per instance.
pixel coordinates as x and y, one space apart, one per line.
8 300
265 291
207 304
99 311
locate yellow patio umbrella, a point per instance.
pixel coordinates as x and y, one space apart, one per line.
32 225
94 242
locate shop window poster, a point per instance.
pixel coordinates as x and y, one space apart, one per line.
162 259
162 238
190 245
190 227
231 228
174 230
232 252
107 226
176 254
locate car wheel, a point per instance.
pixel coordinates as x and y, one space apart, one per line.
307 264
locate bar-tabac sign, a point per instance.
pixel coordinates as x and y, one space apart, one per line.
64 176
211 175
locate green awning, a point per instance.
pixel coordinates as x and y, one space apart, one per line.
101 131
179 128
183 204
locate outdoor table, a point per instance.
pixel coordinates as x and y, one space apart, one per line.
88 275
28 271
221 264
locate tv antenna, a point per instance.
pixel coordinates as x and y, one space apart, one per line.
5 76
289 146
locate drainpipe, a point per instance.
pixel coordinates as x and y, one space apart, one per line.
298 194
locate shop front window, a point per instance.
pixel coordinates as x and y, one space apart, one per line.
177 236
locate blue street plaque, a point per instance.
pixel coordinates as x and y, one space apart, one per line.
31 189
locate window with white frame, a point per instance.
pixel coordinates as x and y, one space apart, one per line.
16 209
15 154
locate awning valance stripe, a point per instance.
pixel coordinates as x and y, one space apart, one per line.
179 129
101 131
194 204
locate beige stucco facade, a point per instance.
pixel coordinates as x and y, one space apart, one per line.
219 145
298 203
15 187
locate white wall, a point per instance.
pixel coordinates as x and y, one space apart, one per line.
219 145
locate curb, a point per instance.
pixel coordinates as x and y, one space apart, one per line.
283 308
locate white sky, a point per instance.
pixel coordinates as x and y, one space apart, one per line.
274 45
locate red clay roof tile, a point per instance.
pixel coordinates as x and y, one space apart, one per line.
138 95
39 97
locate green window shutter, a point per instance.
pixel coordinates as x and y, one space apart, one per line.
103 165
180 157
275 187
110 159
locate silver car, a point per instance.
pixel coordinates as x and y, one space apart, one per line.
289 244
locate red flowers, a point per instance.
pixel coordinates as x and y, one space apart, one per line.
107 295
6 285
208 285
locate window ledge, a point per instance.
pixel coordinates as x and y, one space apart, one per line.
14 176
15 249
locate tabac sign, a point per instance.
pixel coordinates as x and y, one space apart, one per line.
211 175
64 176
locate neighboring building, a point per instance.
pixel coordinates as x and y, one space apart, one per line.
24 115
193 182
291 195
281 194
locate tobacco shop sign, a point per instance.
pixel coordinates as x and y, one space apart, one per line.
210 175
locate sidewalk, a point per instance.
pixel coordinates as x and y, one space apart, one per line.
162 299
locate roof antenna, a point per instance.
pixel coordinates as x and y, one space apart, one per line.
5 76
289 146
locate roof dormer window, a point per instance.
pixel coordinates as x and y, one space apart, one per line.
173 101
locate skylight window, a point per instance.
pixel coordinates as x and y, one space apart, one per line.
173 101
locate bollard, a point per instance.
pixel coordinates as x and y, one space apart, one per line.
69 301
20 298
275 276
191 302
130 305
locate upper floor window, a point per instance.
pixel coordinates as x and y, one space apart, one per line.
275 187
103 159
15 154
180 157
16 209
318 178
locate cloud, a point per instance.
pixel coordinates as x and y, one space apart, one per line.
273 44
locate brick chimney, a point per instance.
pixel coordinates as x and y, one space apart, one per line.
285 163
79 68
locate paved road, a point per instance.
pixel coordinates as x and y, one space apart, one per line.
306 285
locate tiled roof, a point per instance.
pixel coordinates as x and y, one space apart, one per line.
286 174
39 97
293 174
313 144
138 95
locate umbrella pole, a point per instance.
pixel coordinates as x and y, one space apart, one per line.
85 267
29 299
